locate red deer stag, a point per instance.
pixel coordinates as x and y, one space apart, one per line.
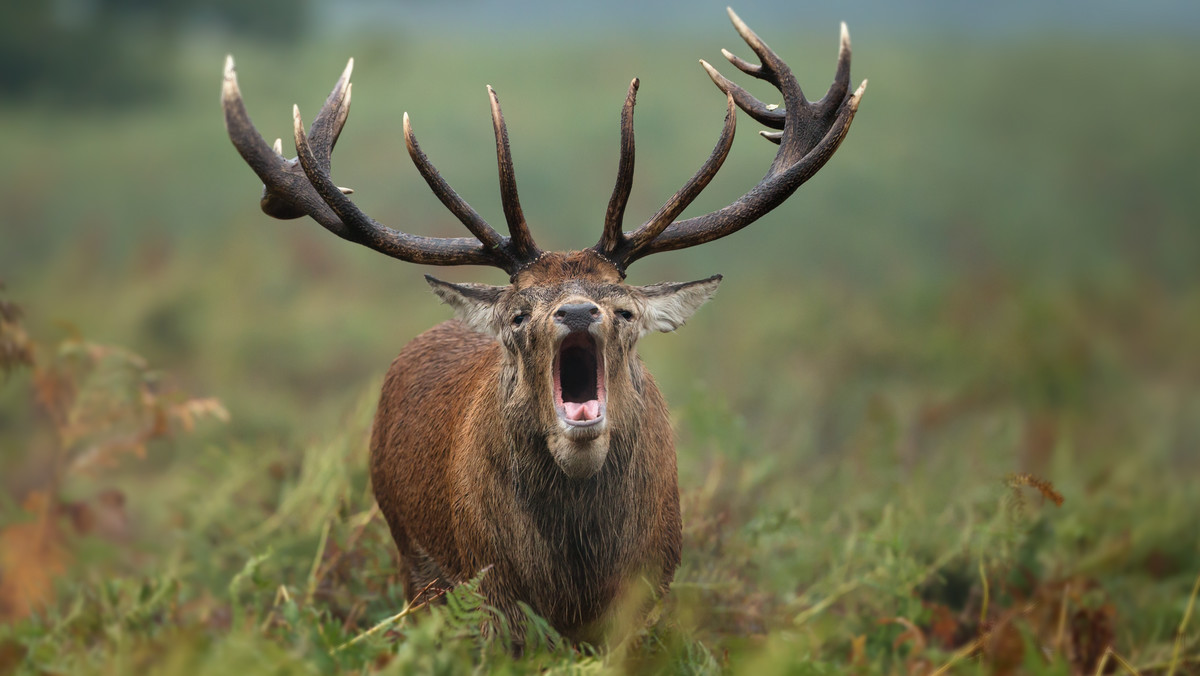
526 434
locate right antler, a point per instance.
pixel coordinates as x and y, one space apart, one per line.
810 133
302 186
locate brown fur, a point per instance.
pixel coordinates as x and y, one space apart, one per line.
463 474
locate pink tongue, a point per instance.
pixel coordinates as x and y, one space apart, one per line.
588 410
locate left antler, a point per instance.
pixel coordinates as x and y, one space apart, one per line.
810 133
302 186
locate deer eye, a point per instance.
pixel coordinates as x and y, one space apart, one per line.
626 315
520 318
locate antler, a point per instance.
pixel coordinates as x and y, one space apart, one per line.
811 132
302 186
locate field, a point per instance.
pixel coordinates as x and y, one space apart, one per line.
987 303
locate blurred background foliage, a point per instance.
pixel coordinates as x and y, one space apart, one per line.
119 53
998 272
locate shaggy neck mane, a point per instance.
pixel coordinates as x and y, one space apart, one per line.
542 486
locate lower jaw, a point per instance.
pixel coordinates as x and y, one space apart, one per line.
582 433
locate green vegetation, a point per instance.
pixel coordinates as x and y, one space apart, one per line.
994 283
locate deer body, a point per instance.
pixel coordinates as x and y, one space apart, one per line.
476 464
526 437
464 486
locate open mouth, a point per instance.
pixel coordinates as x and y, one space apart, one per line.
579 380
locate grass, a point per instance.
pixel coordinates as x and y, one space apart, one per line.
973 289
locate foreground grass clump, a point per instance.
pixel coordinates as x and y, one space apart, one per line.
916 546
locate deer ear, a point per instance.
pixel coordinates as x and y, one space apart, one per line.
473 303
669 305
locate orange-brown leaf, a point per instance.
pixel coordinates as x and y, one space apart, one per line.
32 556
1042 485
943 626
858 650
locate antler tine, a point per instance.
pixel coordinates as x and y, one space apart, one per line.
286 193
841 78
249 143
491 239
742 64
773 69
777 72
365 230
776 187
775 137
770 116
811 133
690 190
613 236
522 242
329 121
302 186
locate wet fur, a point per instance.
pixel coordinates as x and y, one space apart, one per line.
463 473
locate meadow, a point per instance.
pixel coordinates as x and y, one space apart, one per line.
943 415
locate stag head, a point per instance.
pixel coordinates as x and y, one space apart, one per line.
567 322
569 327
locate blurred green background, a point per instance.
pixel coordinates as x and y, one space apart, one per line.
999 271
1005 148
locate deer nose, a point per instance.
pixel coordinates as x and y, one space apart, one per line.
577 316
